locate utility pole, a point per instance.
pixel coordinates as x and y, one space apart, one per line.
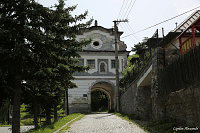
117 63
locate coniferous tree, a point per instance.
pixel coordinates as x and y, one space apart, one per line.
38 53
62 29
14 51
20 23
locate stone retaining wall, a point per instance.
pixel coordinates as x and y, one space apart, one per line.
127 100
183 106
137 102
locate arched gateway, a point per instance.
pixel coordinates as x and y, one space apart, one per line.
99 55
108 89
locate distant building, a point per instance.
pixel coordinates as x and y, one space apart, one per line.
99 55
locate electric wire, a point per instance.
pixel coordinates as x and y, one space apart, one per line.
123 28
131 30
161 22
121 9
125 6
127 10
130 9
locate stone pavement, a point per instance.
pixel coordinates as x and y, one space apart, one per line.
104 123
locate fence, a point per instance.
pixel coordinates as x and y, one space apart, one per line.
183 72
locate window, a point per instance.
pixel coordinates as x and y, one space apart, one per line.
122 64
102 67
112 63
84 95
91 63
96 43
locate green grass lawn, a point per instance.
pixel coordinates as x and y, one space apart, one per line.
25 116
4 125
67 127
27 119
55 126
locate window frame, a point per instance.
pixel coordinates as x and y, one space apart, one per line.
112 64
91 66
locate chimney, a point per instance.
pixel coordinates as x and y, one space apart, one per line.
95 23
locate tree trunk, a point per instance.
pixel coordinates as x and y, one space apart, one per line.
16 107
66 103
48 115
35 112
55 113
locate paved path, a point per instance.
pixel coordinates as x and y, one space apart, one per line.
103 123
8 129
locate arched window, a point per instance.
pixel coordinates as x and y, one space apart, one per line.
102 67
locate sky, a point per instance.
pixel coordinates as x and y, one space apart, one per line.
144 13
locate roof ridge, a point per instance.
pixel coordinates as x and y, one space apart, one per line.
183 26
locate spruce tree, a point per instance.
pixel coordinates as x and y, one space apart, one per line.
61 28
38 52
17 19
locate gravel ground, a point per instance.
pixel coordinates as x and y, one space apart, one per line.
104 123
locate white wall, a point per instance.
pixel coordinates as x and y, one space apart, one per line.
97 56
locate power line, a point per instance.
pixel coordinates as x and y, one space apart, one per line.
131 9
128 8
121 9
131 30
126 2
161 22
124 27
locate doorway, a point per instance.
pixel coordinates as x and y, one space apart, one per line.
99 101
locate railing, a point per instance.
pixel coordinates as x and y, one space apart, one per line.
139 73
190 42
183 72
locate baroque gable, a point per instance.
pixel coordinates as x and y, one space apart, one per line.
101 39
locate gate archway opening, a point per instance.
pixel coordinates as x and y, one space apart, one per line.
102 97
99 101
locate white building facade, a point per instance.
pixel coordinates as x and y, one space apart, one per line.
99 55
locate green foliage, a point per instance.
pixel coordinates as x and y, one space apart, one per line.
136 64
139 48
67 127
133 56
38 52
131 65
99 101
26 117
25 112
4 112
27 121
